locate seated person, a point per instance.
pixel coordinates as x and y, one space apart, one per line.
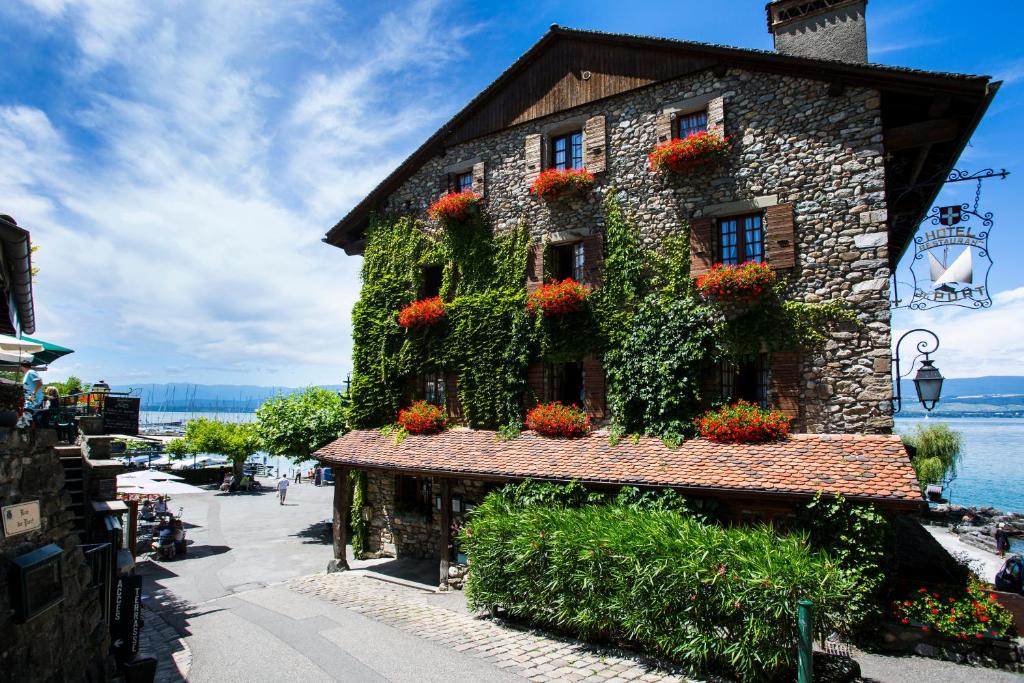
161 506
147 512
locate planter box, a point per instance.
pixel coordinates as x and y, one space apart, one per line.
1000 653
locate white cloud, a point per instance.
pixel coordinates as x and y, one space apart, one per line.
181 238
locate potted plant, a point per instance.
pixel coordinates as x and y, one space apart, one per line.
454 206
558 299
555 183
972 615
423 418
744 283
742 422
422 313
558 419
12 404
682 155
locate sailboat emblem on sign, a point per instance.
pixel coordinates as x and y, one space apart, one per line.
944 274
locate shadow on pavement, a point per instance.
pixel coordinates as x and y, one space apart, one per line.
317 532
423 572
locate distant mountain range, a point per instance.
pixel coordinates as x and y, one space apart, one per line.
996 396
206 398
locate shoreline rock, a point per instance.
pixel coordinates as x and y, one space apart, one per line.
976 526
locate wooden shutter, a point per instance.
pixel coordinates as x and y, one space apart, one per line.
444 184
663 127
779 237
593 260
593 387
595 158
702 248
534 267
534 158
784 385
535 384
716 115
451 381
479 178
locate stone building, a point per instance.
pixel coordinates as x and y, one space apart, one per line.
833 164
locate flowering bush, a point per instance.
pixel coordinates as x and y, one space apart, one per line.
554 182
746 282
422 313
454 206
557 419
422 418
556 299
975 614
682 155
742 422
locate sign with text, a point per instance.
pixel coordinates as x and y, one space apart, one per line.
124 629
21 518
121 415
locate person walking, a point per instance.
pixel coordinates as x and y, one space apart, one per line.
1002 540
298 475
318 475
282 490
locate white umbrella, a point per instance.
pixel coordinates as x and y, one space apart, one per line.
148 475
156 488
18 345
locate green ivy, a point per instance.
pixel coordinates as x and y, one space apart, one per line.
360 529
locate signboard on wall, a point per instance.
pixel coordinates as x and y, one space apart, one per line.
21 518
121 415
124 627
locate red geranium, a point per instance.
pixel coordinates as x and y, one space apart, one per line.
964 614
746 282
742 422
555 182
682 155
422 418
454 206
557 419
422 313
557 299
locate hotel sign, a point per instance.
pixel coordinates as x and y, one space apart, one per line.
20 519
951 260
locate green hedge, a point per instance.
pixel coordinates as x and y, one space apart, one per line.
711 598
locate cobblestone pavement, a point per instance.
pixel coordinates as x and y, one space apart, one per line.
159 639
528 653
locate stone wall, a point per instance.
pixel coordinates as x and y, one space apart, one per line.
67 642
404 534
793 143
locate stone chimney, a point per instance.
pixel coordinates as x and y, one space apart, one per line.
822 29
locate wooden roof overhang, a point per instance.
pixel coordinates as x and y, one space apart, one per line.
928 117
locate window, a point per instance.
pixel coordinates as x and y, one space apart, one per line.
740 239
746 379
414 495
690 124
463 181
567 151
434 389
567 261
432 277
564 382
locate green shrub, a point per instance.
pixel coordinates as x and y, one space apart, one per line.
936 451
705 596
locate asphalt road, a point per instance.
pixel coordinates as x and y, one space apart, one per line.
225 597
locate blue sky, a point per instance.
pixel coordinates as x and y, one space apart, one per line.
178 162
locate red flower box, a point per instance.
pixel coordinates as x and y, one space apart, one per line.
454 206
557 299
686 154
423 418
746 282
554 183
970 614
557 419
422 313
742 422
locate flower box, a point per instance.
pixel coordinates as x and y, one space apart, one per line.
558 299
742 422
973 614
423 418
422 313
555 183
682 155
454 206
745 283
557 419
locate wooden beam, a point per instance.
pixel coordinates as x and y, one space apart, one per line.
342 506
921 133
446 530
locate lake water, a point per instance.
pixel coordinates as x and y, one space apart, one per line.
992 471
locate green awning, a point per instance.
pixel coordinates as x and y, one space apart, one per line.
50 352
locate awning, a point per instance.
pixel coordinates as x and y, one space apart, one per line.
866 467
48 352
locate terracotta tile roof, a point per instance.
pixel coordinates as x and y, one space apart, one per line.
859 466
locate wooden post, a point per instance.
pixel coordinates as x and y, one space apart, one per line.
342 506
446 529
133 526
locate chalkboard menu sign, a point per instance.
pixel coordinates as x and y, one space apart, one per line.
121 415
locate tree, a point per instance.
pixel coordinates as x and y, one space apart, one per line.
297 425
935 453
176 449
235 440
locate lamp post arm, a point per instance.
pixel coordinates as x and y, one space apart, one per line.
922 348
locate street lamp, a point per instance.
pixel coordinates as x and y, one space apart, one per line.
928 380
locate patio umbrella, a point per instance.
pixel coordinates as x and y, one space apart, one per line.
23 346
141 487
148 475
49 352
